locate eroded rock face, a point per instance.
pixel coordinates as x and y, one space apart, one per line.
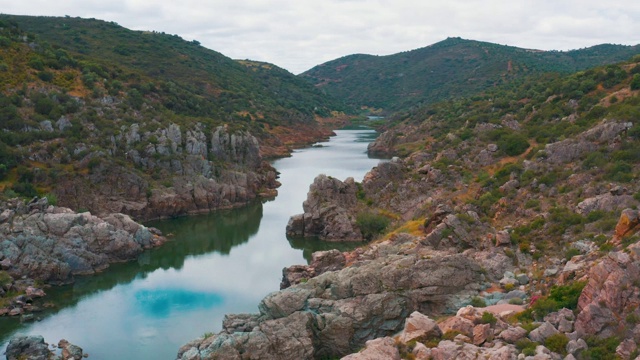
51 244
336 312
328 211
628 224
321 262
199 175
610 295
572 149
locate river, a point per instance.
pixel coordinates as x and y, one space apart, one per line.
223 262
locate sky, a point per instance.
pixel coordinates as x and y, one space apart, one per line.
299 34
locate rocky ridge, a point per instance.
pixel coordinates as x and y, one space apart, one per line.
202 172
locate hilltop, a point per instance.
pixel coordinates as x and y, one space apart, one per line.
452 68
102 118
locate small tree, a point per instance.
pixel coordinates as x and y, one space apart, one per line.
371 224
635 82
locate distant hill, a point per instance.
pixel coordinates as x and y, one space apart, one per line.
220 86
448 69
113 120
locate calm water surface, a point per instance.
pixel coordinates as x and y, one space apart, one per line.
216 264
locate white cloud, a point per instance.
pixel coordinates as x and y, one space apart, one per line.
299 34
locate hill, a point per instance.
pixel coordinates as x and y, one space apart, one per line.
448 69
108 119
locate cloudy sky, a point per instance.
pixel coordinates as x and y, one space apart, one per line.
298 35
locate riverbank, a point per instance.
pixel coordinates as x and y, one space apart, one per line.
152 306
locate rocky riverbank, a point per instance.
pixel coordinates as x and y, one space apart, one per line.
35 348
49 245
530 203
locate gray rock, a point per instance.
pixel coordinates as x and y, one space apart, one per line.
626 348
338 311
46 126
63 123
328 211
523 279
541 333
27 347
575 346
512 334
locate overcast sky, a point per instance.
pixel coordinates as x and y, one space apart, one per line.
298 35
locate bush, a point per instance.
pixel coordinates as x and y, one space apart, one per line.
526 346
557 343
635 82
371 224
600 349
478 302
488 318
513 144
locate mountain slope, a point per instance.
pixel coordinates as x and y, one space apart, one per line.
451 68
112 120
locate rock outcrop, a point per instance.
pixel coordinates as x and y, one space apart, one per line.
335 313
321 262
28 347
611 294
571 149
329 211
200 172
52 244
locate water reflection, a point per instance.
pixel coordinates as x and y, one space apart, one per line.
216 264
311 244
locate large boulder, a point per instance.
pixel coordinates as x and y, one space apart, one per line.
328 211
28 347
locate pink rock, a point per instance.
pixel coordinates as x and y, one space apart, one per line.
481 333
459 324
382 348
419 327
34 292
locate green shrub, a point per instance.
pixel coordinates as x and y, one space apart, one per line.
526 346
478 302
52 199
571 253
557 343
488 318
515 301
600 349
567 296
371 224
5 278
513 144
635 82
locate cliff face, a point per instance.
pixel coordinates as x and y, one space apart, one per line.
170 172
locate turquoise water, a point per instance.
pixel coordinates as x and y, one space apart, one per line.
220 263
